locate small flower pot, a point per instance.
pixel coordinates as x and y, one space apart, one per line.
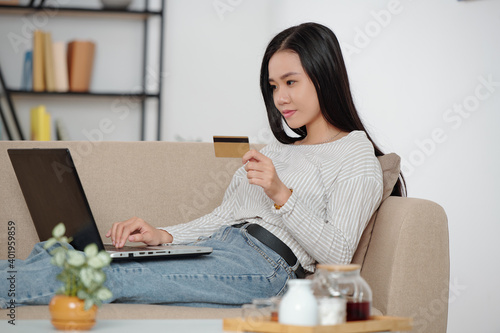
68 313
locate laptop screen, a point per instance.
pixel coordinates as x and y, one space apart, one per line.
53 193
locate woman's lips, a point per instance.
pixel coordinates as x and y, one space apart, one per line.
288 113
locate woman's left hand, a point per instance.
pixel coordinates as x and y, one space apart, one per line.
260 171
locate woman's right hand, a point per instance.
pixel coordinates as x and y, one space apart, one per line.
137 230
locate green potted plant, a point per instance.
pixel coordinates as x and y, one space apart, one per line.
75 304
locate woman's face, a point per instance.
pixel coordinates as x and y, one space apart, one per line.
293 91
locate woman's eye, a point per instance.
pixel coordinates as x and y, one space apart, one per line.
290 82
273 87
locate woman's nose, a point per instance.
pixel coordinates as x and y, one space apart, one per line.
282 97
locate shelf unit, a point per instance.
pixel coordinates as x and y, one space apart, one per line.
143 15
73 93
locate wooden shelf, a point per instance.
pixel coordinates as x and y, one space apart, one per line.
374 324
83 94
69 11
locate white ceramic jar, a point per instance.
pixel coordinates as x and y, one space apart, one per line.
299 306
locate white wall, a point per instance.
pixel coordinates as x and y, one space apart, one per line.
411 73
410 70
213 59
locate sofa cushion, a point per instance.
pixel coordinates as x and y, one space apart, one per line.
390 164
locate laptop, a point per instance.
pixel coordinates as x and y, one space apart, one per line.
53 193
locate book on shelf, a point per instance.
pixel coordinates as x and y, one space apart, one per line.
60 67
40 124
48 59
80 63
27 79
38 61
61 131
57 66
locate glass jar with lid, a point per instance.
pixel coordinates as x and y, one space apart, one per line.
345 281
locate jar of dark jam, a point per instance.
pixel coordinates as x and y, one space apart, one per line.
345 281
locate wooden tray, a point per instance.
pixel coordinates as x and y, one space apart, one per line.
374 324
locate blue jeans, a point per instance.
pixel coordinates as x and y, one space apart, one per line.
239 270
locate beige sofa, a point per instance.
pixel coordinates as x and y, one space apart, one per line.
403 252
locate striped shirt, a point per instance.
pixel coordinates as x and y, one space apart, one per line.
337 186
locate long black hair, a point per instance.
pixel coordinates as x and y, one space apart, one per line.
321 57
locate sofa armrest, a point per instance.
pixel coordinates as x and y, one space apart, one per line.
407 263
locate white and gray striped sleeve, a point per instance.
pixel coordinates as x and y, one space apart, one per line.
351 203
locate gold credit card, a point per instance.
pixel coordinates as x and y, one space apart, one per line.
231 146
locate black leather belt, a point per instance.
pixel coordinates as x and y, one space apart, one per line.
274 243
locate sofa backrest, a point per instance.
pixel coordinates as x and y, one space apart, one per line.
164 183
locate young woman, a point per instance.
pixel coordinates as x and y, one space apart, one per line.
301 200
